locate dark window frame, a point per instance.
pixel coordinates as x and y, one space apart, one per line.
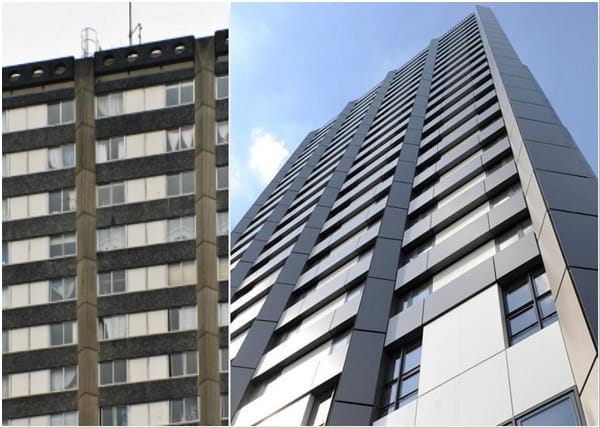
395 381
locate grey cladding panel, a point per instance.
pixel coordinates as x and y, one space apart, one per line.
144 346
39 404
144 392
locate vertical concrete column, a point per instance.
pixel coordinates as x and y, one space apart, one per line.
85 185
561 194
207 288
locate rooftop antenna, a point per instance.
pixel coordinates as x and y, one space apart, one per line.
89 42
137 28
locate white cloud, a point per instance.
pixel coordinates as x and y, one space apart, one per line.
267 154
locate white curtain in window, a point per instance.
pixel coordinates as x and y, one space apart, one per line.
223 133
69 288
187 137
54 158
104 240
116 104
102 106
101 151
172 140
68 155
188 318
56 380
118 237
121 148
187 227
174 229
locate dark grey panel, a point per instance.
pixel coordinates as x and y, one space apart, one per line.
240 377
39 314
39 359
42 97
147 300
50 73
146 256
250 354
543 132
37 183
39 271
558 159
222 154
578 237
385 259
38 226
350 414
405 322
275 302
145 211
222 200
223 246
223 291
392 225
49 136
222 109
586 284
516 259
39 405
569 192
146 121
140 81
376 297
145 392
221 42
142 346
167 163
221 68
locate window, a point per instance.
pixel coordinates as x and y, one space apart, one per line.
185 409
414 295
113 327
61 201
5 171
183 363
222 223
182 273
64 419
224 406
62 245
222 177
61 157
113 416
417 251
179 229
224 359
529 306
111 238
4 252
402 378
109 105
63 289
63 378
180 139
180 93
111 194
222 132
111 149
320 409
505 195
559 412
183 318
514 234
112 282
222 87
61 112
223 313
180 184
112 372
62 333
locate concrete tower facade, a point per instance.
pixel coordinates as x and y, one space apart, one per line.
115 240
428 257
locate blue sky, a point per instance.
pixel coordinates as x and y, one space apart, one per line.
295 65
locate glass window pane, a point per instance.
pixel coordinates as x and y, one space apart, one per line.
106 376
191 409
54 202
120 371
541 284
68 114
173 188
173 229
66 199
522 321
172 95
222 223
54 158
187 227
102 106
174 274
116 103
176 365
106 416
187 137
518 296
222 87
104 283
187 182
68 155
191 362
188 272
118 278
187 318
103 196
172 140
70 377
546 306
69 247
56 420
56 290
68 331
222 177
559 413
56 379
409 385
412 359
56 334
121 415
71 419
70 290
118 193
187 93
173 319
176 411
117 148
389 394
53 113
102 151
222 132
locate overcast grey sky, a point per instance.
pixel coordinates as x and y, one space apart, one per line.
38 31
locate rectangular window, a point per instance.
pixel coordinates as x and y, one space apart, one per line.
62 245
64 419
4 252
513 235
113 416
222 132
182 228
528 306
320 409
5 214
559 412
183 410
415 295
402 377
180 184
111 149
61 157
111 194
222 223
109 105
5 170
183 363
224 406
222 177
113 327
62 333
224 360
63 289
180 139
112 372
222 87
183 318
63 378
180 93
61 201
223 313
112 238
61 112
182 273
112 282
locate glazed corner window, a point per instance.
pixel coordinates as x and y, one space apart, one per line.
222 132
222 177
62 245
112 372
529 306
179 229
185 409
113 416
180 93
111 194
109 105
61 201
402 377
61 112
183 363
61 157
180 139
112 282
222 87
111 149
180 184
62 333
63 289
560 412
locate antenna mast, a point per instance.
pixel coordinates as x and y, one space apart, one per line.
137 28
89 42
